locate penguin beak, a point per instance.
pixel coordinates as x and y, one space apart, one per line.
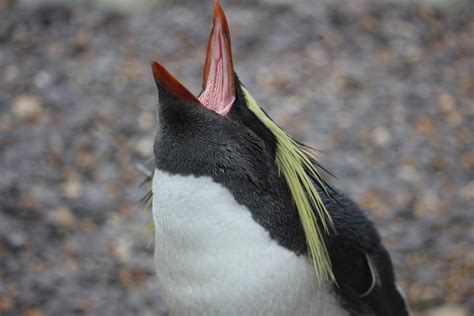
218 83
167 81
219 80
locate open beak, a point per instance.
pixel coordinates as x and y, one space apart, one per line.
167 81
218 83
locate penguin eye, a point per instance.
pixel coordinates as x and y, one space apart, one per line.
251 131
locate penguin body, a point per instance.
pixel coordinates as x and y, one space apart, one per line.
229 238
213 258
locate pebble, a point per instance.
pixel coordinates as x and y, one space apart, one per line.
467 192
409 173
11 73
121 249
381 137
64 218
32 312
427 203
146 120
85 306
27 107
42 79
72 189
144 147
17 240
449 310
5 303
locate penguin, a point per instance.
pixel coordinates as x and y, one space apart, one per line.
245 223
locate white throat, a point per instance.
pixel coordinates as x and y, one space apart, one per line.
212 258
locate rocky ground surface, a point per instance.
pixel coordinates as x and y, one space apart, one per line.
385 90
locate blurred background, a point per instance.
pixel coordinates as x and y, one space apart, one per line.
385 89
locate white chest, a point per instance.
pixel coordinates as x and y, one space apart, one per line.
212 258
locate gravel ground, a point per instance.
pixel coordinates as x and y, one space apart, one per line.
386 91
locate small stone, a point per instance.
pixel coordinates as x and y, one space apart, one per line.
146 120
424 124
72 189
40 266
344 119
5 123
12 289
85 159
449 310
428 202
412 54
42 79
409 173
368 23
71 264
455 119
144 147
376 202
27 107
11 73
120 250
439 164
446 103
32 312
381 137
467 161
5 303
4 4
85 306
88 225
64 218
147 102
467 192
131 277
17 240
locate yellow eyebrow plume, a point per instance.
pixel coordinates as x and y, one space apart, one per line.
294 163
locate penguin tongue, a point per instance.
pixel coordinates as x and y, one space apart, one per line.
218 82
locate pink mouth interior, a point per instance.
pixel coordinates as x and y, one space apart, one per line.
219 92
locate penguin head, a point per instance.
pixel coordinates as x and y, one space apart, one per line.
195 140
216 131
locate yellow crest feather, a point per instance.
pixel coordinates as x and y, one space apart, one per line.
294 163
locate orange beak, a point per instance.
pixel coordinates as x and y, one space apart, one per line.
218 77
166 80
